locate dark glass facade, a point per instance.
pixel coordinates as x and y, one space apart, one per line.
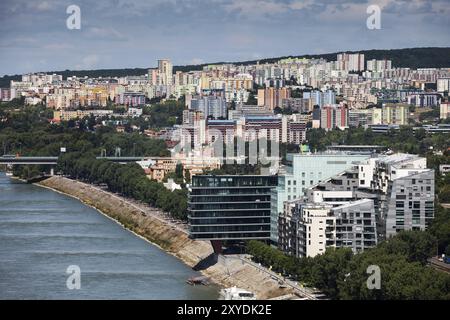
230 207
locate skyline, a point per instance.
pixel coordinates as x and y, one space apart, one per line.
115 34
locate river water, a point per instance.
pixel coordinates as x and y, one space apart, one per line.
42 233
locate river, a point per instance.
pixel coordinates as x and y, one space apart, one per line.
42 233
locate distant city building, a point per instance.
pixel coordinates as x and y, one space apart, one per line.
351 61
133 99
379 65
299 105
445 110
272 98
424 99
334 116
320 98
66 115
394 114
5 94
212 106
165 72
442 85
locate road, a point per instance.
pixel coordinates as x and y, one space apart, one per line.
300 290
439 265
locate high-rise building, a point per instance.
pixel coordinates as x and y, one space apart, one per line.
272 98
304 171
424 99
334 116
320 98
165 70
308 229
379 65
400 186
395 114
351 61
212 106
230 207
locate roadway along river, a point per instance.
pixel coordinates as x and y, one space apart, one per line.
42 233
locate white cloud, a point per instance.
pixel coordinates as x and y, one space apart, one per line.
106 33
88 62
196 61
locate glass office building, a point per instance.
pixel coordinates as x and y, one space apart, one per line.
230 207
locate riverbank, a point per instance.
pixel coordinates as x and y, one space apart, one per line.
172 237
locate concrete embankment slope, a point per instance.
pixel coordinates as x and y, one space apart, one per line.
228 271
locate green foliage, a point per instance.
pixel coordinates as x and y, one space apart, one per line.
440 228
252 99
128 180
444 194
340 274
165 114
403 140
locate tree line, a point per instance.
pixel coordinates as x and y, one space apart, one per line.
341 274
128 180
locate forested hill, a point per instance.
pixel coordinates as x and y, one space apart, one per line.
432 57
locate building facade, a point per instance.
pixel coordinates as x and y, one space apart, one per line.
230 207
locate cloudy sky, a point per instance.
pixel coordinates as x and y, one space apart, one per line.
134 33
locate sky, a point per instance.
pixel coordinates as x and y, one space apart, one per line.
135 33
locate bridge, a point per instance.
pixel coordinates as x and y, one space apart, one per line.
18 160
49 160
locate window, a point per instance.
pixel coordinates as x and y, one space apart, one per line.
400 204
362 182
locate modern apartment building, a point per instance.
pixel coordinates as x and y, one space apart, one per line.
230 207
308 229
407 191
400 187
304 171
